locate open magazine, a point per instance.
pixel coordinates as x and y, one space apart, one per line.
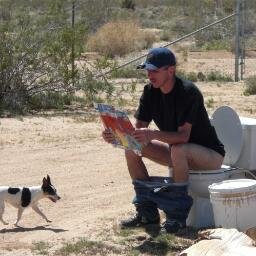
119 124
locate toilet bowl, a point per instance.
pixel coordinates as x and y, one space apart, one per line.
229 130
238 135
199 181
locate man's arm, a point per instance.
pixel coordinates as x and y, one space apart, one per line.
181 136
145 135
108 135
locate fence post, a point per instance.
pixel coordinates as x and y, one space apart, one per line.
73 46
242 27
237 40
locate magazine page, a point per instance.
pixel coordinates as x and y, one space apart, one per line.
117 121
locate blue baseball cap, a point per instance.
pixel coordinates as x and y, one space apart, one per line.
158 58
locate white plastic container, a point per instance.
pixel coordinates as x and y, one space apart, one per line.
234 203
247 159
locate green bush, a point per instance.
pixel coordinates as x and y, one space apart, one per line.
209 103
35 59
128 4
191 76
211 76
217 45
93 88
50 100
218 76
129 72
165 35
250 84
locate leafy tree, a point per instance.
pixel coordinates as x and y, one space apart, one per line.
36 53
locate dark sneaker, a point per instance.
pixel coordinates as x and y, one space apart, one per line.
172 226
138 221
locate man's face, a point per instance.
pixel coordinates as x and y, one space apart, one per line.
161 77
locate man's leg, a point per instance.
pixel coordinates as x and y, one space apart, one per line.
146 209
185 157
156 151
195 157
175 201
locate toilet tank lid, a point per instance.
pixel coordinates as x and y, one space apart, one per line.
229 130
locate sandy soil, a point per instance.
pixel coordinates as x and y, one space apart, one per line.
90 176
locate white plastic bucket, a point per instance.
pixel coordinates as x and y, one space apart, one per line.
234 203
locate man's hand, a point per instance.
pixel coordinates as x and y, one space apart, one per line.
143 135
108 136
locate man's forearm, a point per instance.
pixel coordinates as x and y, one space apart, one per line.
168 137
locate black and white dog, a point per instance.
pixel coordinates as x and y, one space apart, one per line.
22 197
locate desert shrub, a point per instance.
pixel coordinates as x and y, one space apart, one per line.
147 38
192 76
217 45
250 42
35 57
119 38
93 88
201 76
211 76
218 76
209 102
250 84
165 35
182 26
41 247
128 72
28 67
95 13
128 4
219 37
50 100
185 54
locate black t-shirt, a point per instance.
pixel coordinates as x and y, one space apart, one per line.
183 104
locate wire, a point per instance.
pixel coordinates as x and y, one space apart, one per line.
173 42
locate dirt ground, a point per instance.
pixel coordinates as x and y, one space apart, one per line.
90 176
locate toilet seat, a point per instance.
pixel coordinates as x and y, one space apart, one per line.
224 168
229 130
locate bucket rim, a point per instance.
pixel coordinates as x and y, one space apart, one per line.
233 186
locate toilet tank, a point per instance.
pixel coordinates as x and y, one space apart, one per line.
247 158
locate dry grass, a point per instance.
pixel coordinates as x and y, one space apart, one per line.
119 38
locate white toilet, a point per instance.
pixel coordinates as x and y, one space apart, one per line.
238 134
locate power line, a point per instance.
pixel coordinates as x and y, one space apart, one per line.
173 42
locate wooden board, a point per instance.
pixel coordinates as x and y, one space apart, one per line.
222 242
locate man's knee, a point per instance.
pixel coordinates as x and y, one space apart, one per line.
131 155
178 150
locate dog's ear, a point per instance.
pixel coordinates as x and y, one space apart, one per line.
45 182
49 179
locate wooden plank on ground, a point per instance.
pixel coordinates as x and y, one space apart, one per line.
222 242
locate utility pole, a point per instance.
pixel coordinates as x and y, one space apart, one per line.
237 40
73 46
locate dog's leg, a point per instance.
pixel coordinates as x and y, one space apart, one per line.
1 214
37 210
20 211
4 222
